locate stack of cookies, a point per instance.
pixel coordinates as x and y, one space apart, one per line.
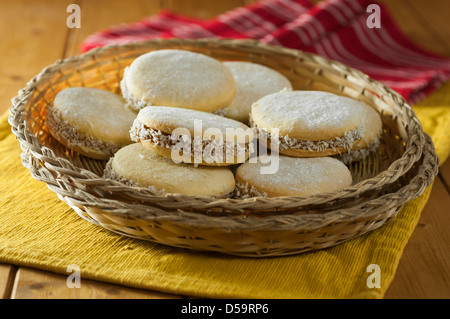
186 123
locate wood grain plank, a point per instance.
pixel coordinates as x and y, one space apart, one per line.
202 9
424 268
414 25
7 275
32 36
435 18
100 14
37 284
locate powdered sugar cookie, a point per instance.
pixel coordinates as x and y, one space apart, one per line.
310 123
253 81
192 136
295 177
136 165
90 121
177 78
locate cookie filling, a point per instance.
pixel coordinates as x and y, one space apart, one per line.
205 149
131 102
74 138
286 142
109 173
245 191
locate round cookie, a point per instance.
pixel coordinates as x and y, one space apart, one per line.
136 165
90 121
295 177
309 123
253 81
192 136
373 128
177 78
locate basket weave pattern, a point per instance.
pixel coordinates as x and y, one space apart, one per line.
403 167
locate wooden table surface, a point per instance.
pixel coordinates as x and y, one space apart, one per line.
34 34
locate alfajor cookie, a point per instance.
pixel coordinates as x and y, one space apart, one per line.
136 165
192 136
308 123
253 81
177 78
90 121
295 177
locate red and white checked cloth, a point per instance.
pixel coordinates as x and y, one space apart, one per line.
335 29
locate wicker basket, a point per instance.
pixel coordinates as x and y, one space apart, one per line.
403 167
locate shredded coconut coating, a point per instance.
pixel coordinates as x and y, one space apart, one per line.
74 138
354 155
245 191
286 142
131 102
205 149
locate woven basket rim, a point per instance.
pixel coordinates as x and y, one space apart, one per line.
29 143
429 166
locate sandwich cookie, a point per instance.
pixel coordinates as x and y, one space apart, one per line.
90 121
295 177
373 128
192 136
136 165
253 81
309 123
177 78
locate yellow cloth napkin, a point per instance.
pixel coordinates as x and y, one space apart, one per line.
38 230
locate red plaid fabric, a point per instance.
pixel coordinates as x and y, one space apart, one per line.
335 29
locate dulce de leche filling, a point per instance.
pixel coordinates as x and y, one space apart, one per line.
75 138
286 142
208 151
